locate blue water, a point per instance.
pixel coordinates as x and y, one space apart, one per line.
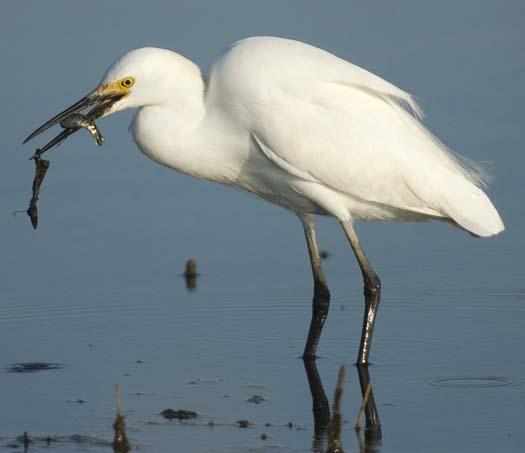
98 288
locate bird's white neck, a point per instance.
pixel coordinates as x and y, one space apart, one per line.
167 132
180 131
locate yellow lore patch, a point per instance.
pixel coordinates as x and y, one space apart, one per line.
121 86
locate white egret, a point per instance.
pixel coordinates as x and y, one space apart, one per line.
303 129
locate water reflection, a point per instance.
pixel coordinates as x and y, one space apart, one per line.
334 430
320 408
371 414
369 438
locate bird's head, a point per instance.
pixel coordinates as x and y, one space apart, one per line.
146 76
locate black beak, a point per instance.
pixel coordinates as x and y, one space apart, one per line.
102 104
85 102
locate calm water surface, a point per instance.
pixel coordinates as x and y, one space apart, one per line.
447 372
98 288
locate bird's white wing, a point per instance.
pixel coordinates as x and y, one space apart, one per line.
366 146
325 120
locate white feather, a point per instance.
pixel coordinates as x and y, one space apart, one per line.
305 129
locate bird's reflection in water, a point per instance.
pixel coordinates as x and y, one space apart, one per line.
372 432
369 438
320 407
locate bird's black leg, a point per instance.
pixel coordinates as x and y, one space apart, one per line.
372 290
321 298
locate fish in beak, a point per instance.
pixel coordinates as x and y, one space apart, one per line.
72 120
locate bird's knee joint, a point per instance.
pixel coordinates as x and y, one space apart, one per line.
321 293
373 285
320 307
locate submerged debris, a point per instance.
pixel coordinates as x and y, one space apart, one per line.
26 440
120 441
190 274
39 442
255 399
181 414
243 423
31 367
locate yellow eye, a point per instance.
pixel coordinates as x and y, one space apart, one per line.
127 82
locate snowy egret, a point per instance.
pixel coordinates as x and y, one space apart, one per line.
303 129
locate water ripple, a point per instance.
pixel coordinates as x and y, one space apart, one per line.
475 382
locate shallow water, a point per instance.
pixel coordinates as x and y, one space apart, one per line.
447 372
97 289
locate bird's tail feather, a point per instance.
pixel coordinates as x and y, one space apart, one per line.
470 207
